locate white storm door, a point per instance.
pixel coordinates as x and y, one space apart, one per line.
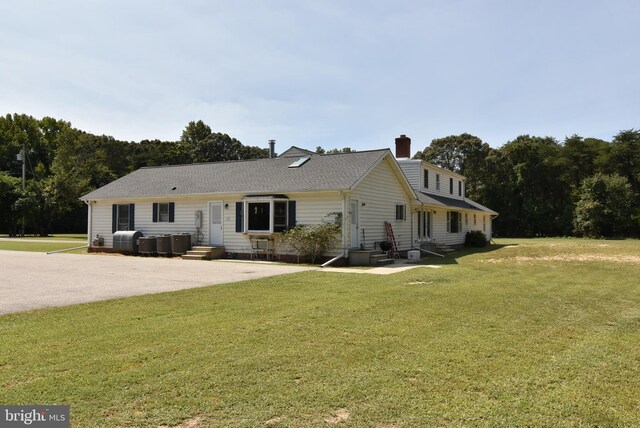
355 229
215 223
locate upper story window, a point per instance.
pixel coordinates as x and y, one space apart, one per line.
426 178
460 188
451 185
437 181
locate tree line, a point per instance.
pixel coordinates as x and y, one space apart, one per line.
63 163
540 186
544 187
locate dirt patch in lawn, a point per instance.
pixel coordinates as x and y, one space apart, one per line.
339 415
580 258
189 423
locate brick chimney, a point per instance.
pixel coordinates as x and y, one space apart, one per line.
403 147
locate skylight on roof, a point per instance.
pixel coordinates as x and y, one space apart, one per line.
299 162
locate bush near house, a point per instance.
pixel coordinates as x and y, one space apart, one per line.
475 238
309 242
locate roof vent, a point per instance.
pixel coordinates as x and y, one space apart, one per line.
300 162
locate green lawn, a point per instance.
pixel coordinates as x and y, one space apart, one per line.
532 333
62 236
40 246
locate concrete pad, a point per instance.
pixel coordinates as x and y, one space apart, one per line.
38 280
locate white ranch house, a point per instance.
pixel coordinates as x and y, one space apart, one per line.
230 204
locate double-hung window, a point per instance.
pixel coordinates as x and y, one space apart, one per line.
426 179
454 222
401 212
122 217
451 185
163 212
438 182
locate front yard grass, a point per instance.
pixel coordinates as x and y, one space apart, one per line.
535 333
40 246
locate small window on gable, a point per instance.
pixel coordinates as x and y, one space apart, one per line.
426 178
451 185
437 181
401 212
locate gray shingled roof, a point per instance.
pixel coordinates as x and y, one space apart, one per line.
321 172
466 204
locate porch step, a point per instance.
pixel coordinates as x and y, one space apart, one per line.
195 257
200 252
380 260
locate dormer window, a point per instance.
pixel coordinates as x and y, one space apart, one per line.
437 181
460 188
451 185
426 178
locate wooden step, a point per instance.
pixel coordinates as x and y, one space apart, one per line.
195 257
201 252
384 262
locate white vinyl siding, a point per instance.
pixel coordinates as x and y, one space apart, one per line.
380 191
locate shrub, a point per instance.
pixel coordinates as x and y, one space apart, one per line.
475 238
311 241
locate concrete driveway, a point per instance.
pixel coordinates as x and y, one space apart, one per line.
38 280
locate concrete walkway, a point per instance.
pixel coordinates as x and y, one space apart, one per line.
38 280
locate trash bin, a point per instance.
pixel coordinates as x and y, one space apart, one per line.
163 245
148 245
180 243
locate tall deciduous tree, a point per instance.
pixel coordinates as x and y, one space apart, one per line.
604 207
464 154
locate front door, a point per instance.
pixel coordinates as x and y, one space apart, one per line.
355 229
215 223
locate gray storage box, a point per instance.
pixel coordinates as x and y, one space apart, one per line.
126 241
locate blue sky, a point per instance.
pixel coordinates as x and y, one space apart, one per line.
330 73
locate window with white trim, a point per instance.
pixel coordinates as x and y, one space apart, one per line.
454 222
437 181
401 212
123 217
163 212
451 185
266 215
426 179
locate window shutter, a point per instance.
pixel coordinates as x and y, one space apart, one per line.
132 216
155 212
172 212
239 219
114 218
292 214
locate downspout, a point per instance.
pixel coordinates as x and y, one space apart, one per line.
89 221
